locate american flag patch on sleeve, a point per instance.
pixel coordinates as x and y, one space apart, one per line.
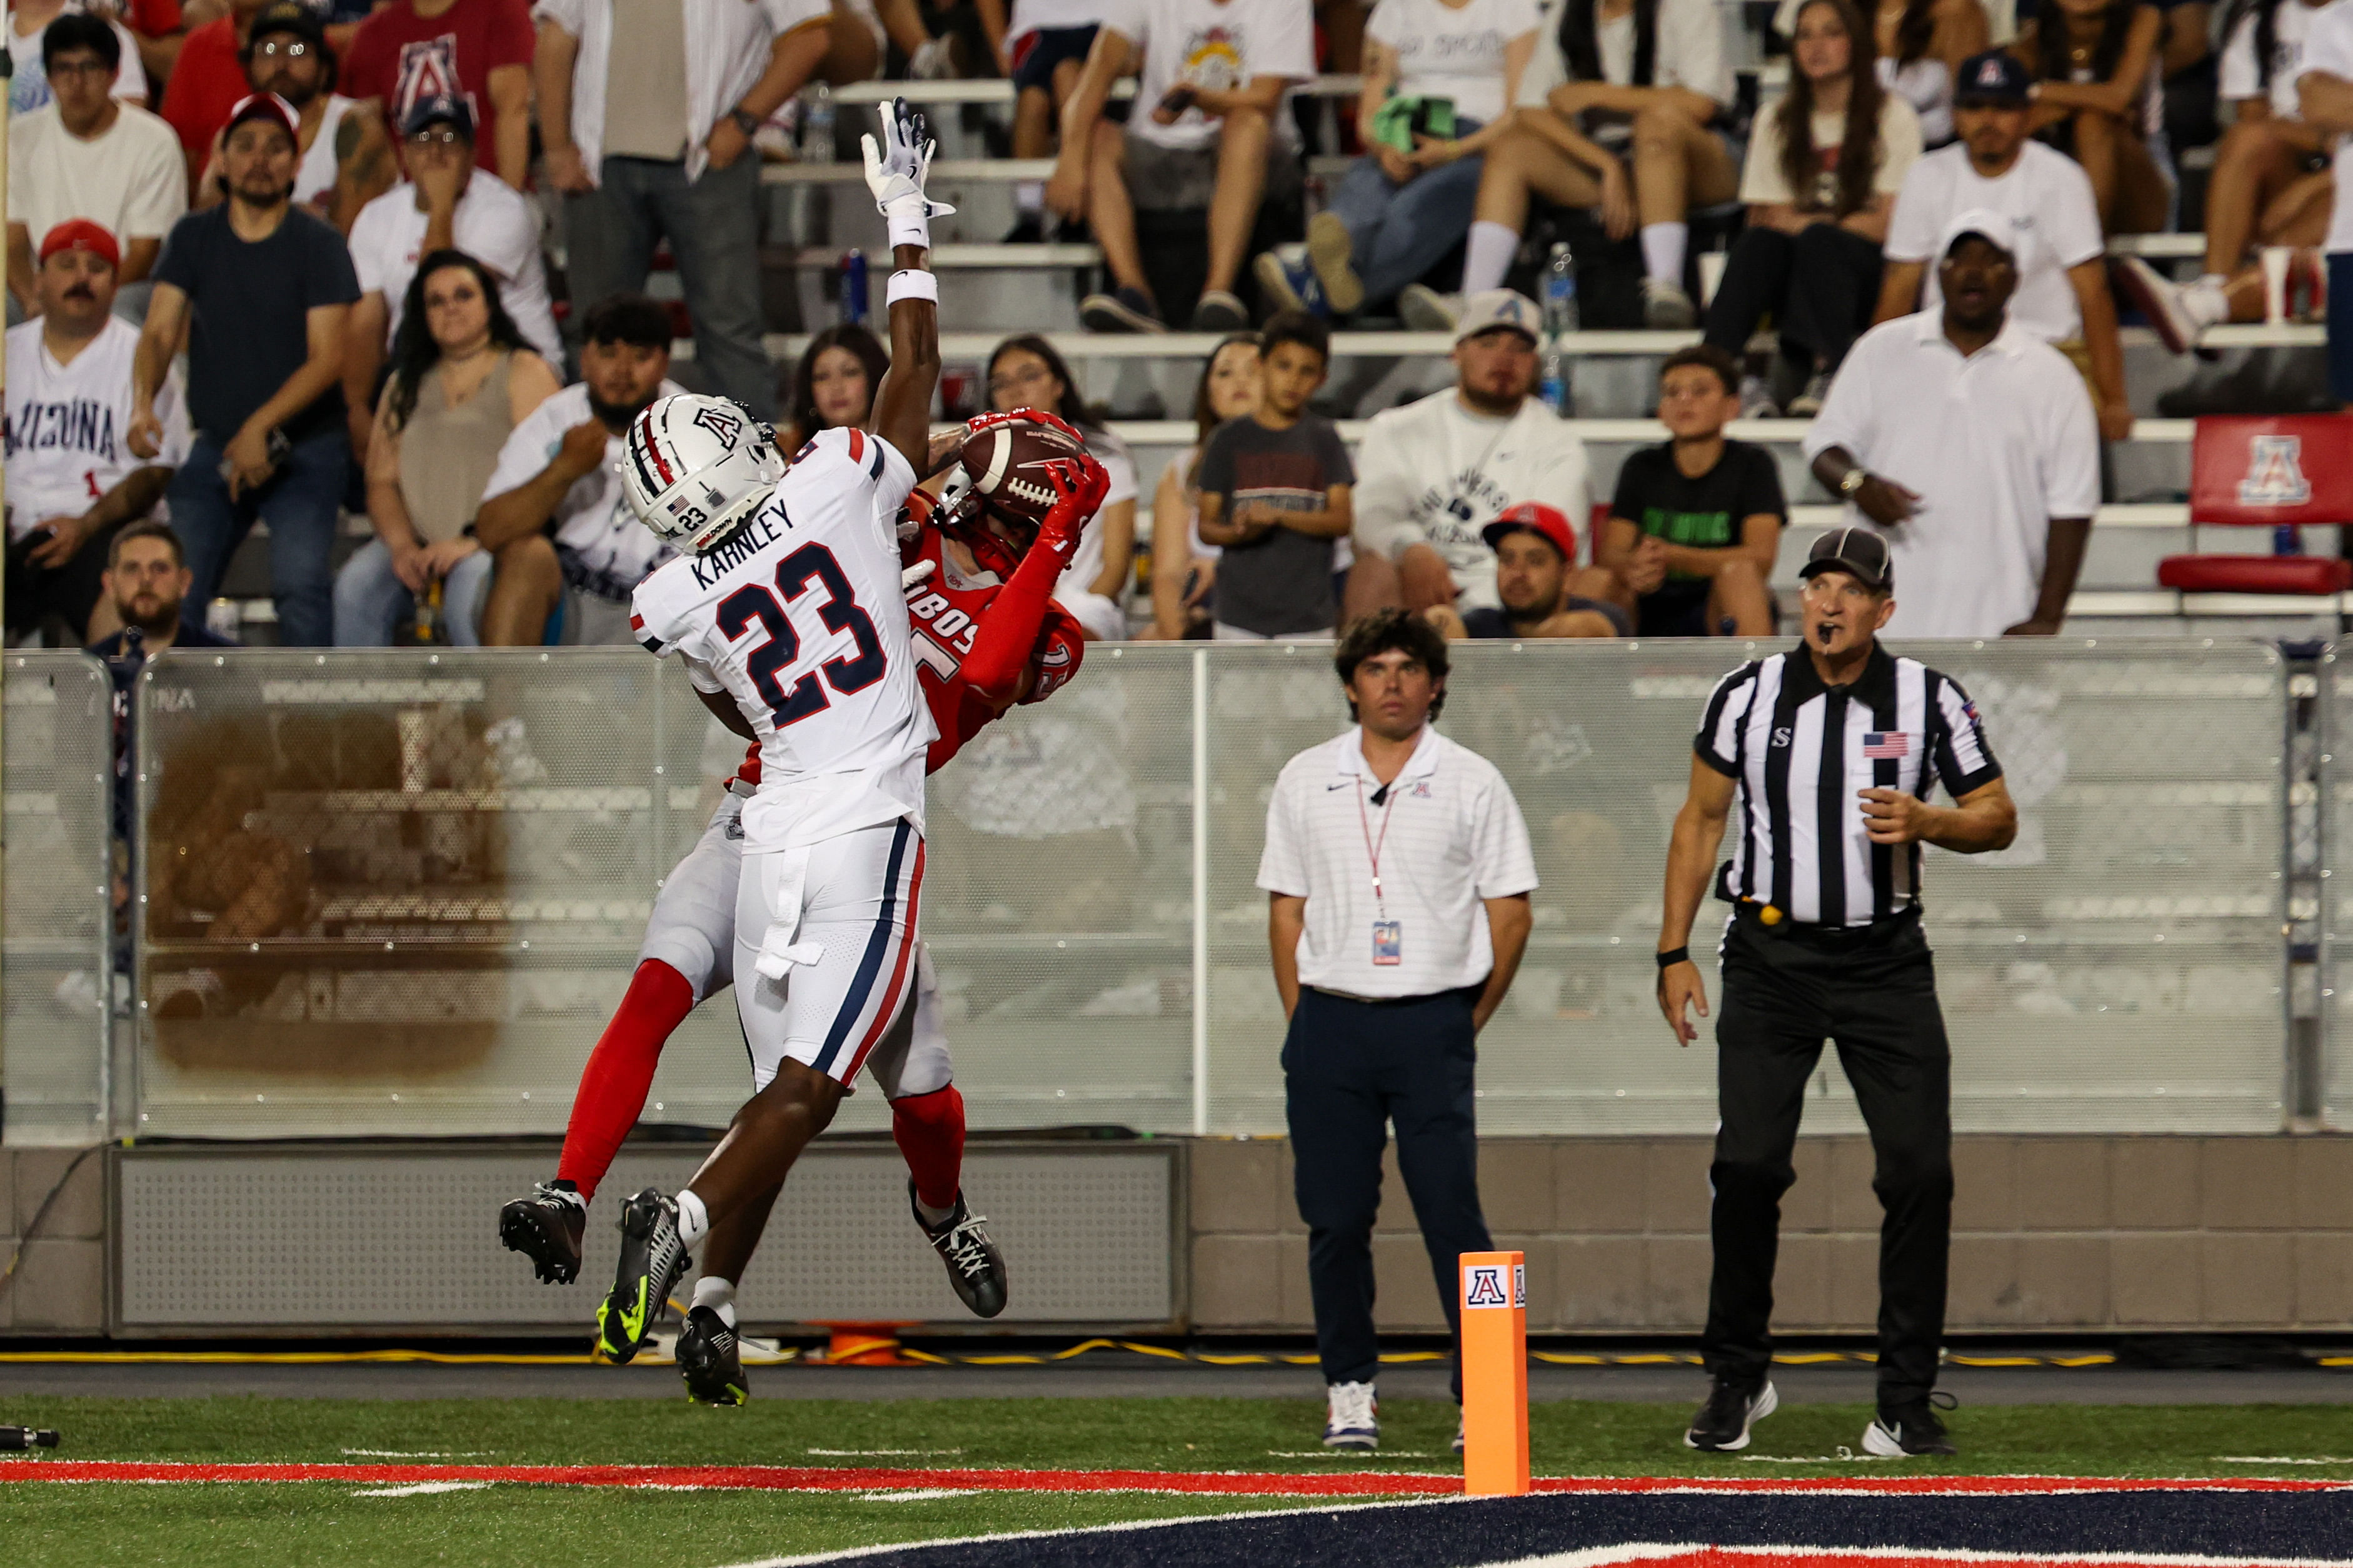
1882 745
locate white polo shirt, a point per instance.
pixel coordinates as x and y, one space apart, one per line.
1449 834
2046 194
2328 46
1996 445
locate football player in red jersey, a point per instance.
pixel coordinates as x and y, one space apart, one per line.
986 637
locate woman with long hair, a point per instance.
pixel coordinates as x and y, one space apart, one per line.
1824 165
833 384
462 378
2097 99
1185 570
1922 44
1028 372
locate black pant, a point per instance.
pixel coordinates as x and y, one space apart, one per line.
1349 1070
1872 992
1822 286
56 597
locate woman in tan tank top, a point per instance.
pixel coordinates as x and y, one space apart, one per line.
462 378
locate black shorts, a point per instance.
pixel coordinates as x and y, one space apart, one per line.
1035 56
1676 610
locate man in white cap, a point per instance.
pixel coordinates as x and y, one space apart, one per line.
1970 443
1433 474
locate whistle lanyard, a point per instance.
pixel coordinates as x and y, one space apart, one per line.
1372 845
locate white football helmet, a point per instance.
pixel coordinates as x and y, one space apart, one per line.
694 467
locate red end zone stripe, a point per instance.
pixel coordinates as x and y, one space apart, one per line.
794 1478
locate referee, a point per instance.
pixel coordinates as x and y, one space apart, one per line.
1398 872
1831 751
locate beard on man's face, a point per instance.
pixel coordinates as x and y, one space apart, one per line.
149 610
617 415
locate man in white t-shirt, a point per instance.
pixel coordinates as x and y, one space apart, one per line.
2270 186
29 89
1207 132
1967 442
555 516
90 156
1433 474
2325 95
2062 280
72 479
447 202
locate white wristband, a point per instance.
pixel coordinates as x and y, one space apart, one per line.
910 284
910 220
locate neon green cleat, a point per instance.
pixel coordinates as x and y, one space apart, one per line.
654 1260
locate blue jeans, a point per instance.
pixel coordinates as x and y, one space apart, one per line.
1401 232
299 503
371 601
714 228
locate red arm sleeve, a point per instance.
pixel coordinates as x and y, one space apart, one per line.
1008 630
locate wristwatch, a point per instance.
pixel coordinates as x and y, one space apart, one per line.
746 120
1853 479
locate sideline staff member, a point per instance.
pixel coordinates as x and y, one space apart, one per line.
1398 872
1833 748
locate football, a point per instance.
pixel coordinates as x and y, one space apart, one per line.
1005 465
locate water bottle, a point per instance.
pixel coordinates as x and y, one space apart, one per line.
1560 293
853 287
817 126
2287 539
1552 381
225 618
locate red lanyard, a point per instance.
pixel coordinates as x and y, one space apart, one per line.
1373 845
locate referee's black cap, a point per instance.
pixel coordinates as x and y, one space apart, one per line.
1855 550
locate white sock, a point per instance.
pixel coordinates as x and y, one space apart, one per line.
1662 251
693 1219
1488 256
2213 279
719 1295
1029 197
932 1216
2206 302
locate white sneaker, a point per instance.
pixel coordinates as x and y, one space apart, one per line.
1424 310
1354 1417
2180 312
1665 307
1809 403
1756 399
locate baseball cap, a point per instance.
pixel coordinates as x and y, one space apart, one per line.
287 17
1998 229
265 106
81 234
438 110
1493 308
1995 77
1857 551
1532 516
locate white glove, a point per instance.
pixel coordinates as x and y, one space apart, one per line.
895 170
909 576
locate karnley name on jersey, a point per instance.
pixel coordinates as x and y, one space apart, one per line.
749 541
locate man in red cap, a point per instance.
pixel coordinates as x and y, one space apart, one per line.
1535 566
73 480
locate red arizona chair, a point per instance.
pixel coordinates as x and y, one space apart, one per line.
2257 472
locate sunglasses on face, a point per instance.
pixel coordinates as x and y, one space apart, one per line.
293 49
445 137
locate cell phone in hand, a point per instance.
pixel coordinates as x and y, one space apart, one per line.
1181 98
279 446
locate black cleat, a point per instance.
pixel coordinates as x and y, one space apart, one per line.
707 1358
1723 1423
654 1260
976 1268
1904 1431
546 1227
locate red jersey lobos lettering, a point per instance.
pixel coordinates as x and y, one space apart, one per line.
943 612
800 619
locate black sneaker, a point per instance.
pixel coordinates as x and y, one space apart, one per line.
976 1268
546 1227
1028 228
707 1359
654 1260
1723 1423
1121 311
1909 1430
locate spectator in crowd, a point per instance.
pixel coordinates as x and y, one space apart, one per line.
923 55
447 202
2325 97
463 376
72 482
346 158
1634 92
2187 70
30 87
2063 282
1536 554
1824 165
478 51
554 516
209 80
1028 372
1986 505
2270 185
833 385
2099 100
1184 568
1438 470
1274 495
90 156
648 113
145 582
263 289
1696 522
1921 45
160 26
1399 209
1044 48
1207 131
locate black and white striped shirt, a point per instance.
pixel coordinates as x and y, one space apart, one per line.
1801 751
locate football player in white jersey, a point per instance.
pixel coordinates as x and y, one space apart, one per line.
787 609
72 479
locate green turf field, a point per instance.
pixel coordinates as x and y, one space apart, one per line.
258 1526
